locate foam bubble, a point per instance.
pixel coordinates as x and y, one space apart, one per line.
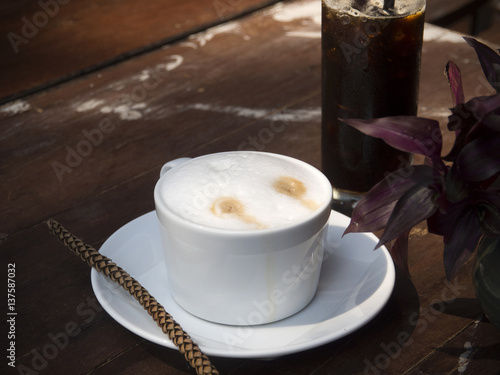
247 181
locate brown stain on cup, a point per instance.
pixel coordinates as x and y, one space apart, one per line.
294 188
234 207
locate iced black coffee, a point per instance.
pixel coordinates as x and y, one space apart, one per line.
370 68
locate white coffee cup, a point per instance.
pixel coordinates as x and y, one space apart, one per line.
256 274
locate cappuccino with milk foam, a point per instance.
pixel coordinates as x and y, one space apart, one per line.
243 234
244 191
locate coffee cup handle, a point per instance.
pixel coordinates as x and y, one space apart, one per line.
168 166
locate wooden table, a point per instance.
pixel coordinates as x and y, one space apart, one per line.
85 148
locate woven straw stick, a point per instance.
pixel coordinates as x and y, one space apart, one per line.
169 326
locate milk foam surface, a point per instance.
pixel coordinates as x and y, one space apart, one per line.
195 190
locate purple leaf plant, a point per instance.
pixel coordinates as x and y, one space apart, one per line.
459 193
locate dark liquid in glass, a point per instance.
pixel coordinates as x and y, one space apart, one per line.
370 68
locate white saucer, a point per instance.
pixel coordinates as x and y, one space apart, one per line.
355 284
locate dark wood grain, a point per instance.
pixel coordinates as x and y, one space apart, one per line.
228 88
49 41
181 112
475 350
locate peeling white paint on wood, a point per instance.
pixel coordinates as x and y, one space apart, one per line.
291 12
89 105
437 34
204 37
15 108
464 359
285 115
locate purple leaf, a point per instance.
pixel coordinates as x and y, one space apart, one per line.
442 221
483 106
492 120
412 208
488 203
462 117
458 145
462 242
479 159
373 211
490 62
406 133
399 252
455 82
490 220
491 197
456 188
472 119
466 115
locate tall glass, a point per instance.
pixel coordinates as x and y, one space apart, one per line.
370 68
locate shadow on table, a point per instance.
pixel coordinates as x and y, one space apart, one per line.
369 350
470 308
461 307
